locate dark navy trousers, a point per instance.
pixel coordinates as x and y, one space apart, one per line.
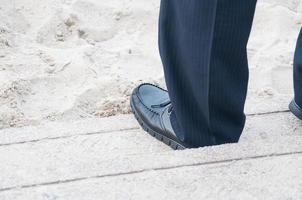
203 50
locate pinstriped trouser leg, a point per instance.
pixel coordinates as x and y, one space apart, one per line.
203 50
298 71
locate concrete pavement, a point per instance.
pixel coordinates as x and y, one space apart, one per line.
112 158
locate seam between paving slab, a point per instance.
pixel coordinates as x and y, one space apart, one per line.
268 113
148 170
68 136
111 131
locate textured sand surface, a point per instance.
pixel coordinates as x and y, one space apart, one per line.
65 60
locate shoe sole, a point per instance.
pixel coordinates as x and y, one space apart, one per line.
295 109
162 138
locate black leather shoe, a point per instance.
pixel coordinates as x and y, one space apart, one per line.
295 109
152 108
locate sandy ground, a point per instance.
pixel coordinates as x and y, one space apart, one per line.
71 59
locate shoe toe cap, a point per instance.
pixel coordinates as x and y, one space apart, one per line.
149 95
142 99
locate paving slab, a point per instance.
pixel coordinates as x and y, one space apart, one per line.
271 178
56 155
54 130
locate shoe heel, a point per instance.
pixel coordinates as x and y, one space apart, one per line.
295 109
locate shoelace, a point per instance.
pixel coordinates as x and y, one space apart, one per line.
164 104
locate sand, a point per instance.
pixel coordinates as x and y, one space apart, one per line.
64 60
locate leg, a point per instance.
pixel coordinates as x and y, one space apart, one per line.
298 71
296 105
203 50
